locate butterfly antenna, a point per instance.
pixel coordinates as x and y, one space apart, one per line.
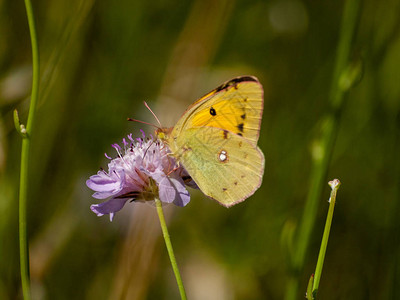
143 122
158 121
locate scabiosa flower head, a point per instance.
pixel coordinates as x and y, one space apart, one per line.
141 171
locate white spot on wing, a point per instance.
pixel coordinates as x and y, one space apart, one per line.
223 156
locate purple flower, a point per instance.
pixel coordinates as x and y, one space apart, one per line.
142 171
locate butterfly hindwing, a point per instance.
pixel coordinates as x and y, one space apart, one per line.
228 169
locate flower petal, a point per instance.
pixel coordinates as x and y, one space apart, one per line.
171 189
109 207
166 189
105 185
182 196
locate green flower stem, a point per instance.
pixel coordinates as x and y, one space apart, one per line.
23 188
335 184
170 249
23 241
324 146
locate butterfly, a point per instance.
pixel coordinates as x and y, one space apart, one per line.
216 140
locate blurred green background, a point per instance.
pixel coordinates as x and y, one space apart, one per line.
101 59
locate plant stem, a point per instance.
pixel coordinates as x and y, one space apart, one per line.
324 147
170 249
23 188
35 66
335 184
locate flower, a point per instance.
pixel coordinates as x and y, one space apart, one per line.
142 171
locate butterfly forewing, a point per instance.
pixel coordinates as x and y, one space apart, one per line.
235 106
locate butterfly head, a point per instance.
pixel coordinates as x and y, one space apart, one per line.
163 133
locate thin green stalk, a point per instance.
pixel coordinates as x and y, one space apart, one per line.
323 149
335 184
170 249
23 241
23 188
35 66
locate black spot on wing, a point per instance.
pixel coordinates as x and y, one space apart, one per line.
212 111
240 127
243 116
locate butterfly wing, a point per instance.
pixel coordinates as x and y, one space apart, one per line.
216 141
235 106
225 166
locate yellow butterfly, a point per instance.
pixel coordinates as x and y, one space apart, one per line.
216 140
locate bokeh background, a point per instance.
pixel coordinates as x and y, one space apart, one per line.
101 59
